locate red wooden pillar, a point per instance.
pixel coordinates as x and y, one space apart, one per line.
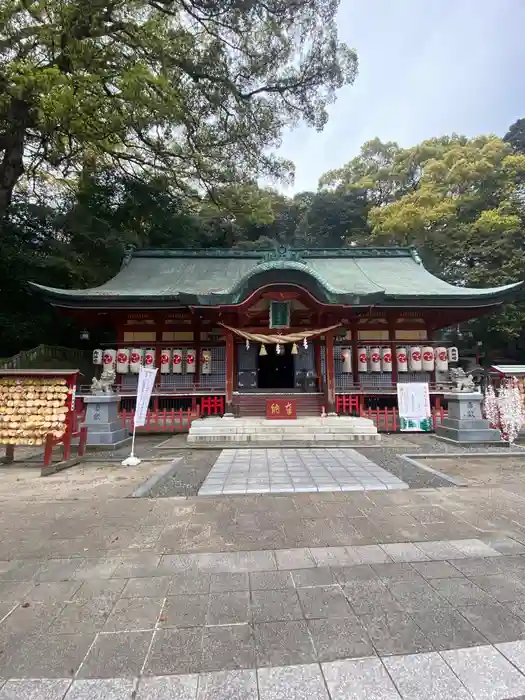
230 348
317 360
198 351
355 372
120 343
158 347
330 374
430 337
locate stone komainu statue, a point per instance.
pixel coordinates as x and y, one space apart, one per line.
104 385
462 380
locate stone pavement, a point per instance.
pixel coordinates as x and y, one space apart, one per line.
405 594
303 470
300 623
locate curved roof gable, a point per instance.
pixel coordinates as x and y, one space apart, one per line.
354 276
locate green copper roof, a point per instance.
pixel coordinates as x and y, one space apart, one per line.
353 276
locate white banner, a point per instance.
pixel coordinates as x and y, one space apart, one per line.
145 387
413 402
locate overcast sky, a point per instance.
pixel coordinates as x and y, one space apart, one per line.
426 68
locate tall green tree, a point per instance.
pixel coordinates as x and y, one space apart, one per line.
80 242
459 201
199 91
515 136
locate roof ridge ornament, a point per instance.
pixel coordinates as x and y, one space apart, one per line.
282 252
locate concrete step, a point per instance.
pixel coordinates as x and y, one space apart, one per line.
285 431
279 440
304 430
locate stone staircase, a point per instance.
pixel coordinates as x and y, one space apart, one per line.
306 431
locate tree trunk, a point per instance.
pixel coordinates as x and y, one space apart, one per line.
12 147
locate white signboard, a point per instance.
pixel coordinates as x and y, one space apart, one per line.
414 407
145 387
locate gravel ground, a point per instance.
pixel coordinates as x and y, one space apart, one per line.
196 464
191 471
388 456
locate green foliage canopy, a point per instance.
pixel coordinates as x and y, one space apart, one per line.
198 91
460 201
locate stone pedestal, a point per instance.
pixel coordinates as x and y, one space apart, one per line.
465 423
105 429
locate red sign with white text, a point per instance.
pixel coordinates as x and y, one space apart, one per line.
281 409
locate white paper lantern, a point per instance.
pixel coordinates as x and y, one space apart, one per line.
136 359
97 356
414 359
176 361
190 361
206 361
428 358
346 357
362 359
386 359
402 360
149 357
109 359
123 360
441 359
375 359
165 361
453 355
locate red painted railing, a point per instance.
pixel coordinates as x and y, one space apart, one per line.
212 405
179 420
166 421
387 419
347 404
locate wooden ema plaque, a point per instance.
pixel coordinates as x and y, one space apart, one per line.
281 409
37 408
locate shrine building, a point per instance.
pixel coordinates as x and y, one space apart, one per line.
335 328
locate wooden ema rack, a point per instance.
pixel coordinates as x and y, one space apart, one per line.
37 407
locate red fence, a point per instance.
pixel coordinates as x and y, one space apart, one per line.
166 421
385 419
212 405
179 420
169 420
347 404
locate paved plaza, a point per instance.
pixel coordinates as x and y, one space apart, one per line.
243 471
408 594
